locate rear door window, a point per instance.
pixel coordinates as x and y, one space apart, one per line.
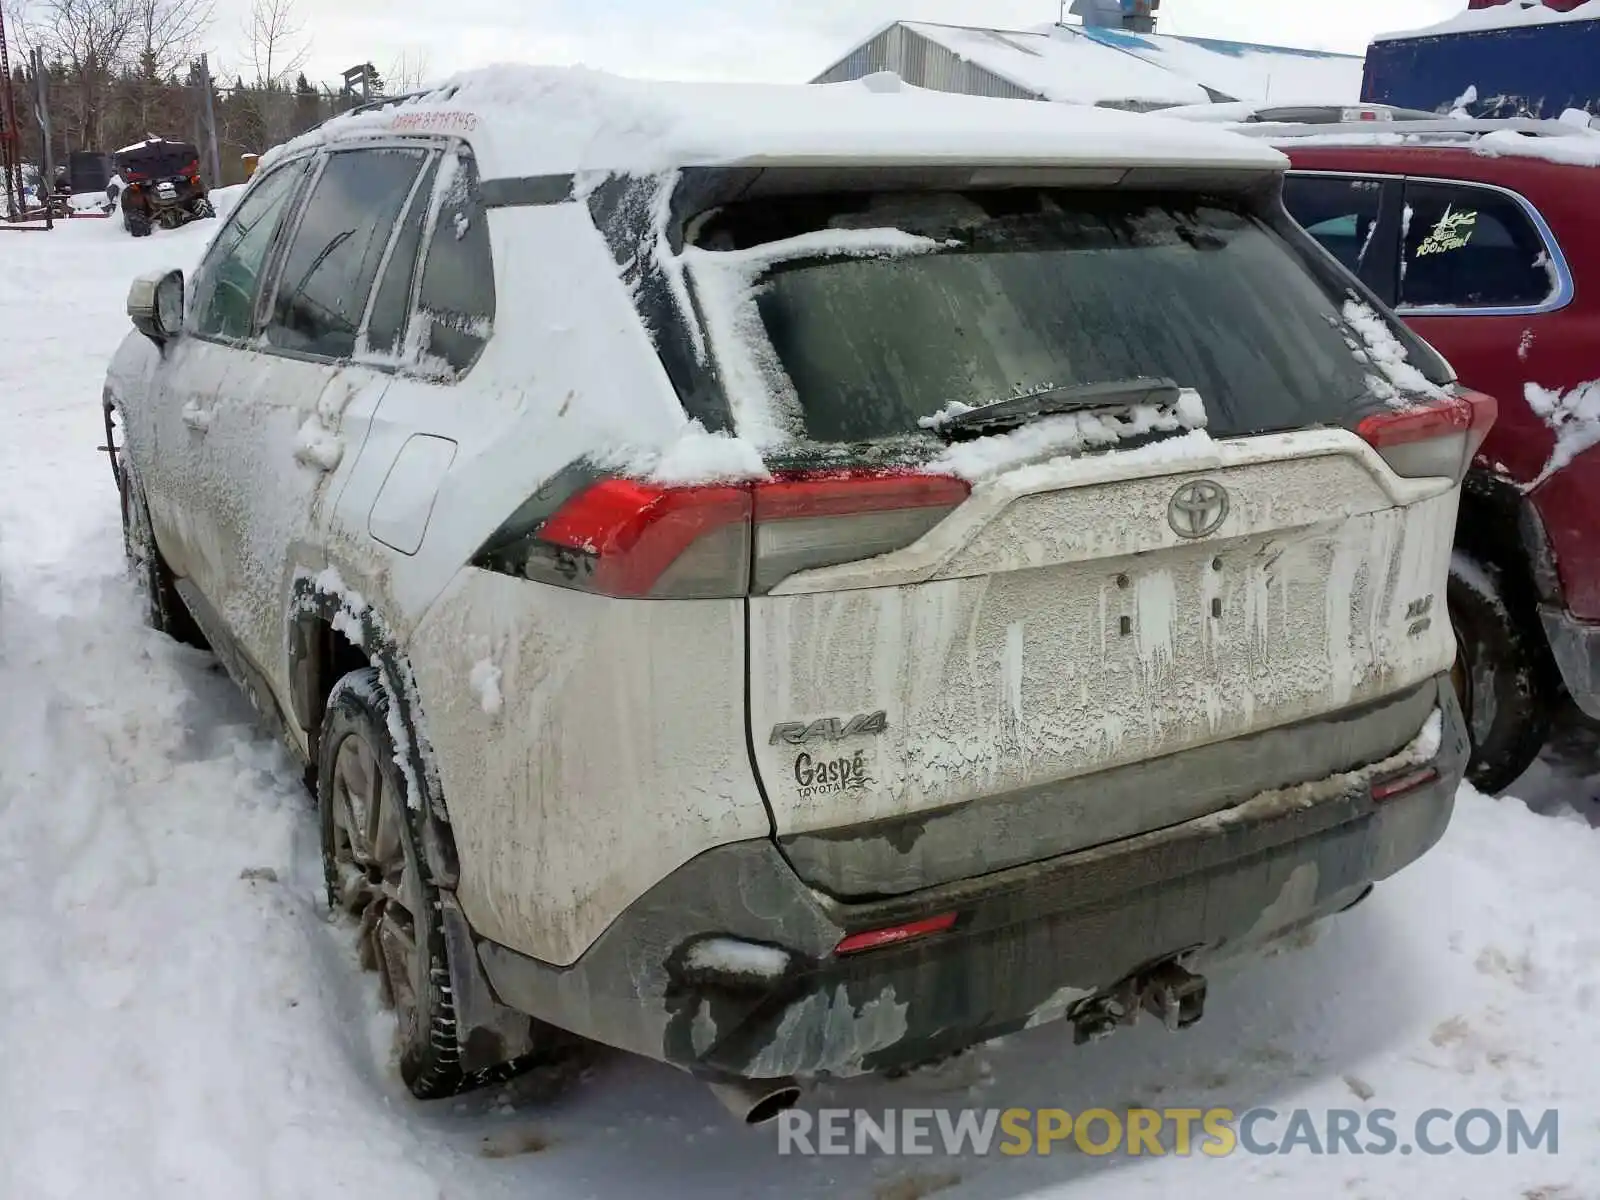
391 305
333 260
1472 248
1344 214
1024 290
456 298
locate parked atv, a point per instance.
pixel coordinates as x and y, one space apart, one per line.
161 186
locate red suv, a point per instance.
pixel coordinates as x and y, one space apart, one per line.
1487 248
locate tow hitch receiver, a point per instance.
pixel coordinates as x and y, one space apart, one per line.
1166 991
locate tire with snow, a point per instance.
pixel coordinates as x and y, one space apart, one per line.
164 609
1502 676
203 209
137 222
376 873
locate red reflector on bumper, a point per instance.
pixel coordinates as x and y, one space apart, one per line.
1399 785
876 939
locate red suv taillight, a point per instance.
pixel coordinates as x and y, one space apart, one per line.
1438 438
627 538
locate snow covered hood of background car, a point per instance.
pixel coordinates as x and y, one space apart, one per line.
529 121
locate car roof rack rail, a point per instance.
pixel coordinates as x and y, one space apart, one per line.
378 102
1443 129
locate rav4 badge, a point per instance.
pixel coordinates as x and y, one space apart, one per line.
829 729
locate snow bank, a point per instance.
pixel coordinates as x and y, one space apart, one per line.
1515 15
525 120
224 198
1574 417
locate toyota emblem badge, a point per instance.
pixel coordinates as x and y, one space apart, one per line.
1198 509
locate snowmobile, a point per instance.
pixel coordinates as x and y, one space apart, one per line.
161 186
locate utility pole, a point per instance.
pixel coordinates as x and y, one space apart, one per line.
207 115
41 113
10 147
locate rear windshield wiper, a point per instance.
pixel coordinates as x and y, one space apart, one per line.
1053 402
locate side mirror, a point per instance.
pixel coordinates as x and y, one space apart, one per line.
155 304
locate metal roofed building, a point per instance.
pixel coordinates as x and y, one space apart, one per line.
1113 68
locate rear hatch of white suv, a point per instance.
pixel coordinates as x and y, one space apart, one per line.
1091 512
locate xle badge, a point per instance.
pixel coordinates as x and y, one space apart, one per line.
828 729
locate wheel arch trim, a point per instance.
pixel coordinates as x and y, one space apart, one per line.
322 600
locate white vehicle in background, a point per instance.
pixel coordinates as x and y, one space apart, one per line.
798 581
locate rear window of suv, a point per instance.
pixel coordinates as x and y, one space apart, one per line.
1027 289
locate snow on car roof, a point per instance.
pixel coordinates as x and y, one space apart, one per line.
529 121
1514 15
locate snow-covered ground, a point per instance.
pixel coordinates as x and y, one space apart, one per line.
178 1019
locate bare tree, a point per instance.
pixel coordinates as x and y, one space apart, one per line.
167 38
92 39
277 51
273 35
168 33
408 73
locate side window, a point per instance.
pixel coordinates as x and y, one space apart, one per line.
392 303
229 279
1340 213
455 301
333 260
1469 247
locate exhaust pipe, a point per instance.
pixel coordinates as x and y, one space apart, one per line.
757 1101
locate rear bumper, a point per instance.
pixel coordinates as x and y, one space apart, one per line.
1575 646
1029 944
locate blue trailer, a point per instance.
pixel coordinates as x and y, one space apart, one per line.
1530 70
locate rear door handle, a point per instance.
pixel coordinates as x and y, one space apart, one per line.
196 417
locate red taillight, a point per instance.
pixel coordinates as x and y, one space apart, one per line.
894 935
627 538
1399 785
628 535
808 520
1438 438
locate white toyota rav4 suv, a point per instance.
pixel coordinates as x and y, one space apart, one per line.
798 581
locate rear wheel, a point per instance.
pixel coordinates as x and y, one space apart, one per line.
1501 677
376 874
137 222
203 209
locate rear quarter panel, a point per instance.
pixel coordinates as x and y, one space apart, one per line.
609 752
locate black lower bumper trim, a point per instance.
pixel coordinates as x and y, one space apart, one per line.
1030 943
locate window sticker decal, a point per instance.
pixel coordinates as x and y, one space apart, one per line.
1453 232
